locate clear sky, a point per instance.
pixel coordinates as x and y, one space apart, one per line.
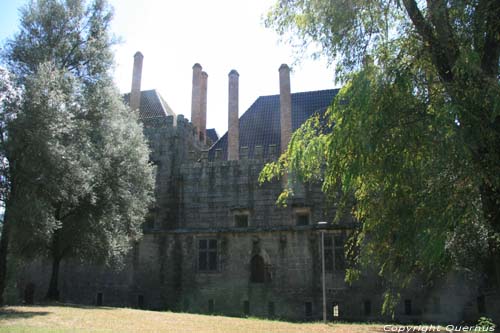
220 35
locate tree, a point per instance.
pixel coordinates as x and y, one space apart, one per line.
9 101
414 134
81 181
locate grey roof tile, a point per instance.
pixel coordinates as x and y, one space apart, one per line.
260 124
212 135
153 108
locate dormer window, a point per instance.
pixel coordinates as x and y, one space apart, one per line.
241 218
302 216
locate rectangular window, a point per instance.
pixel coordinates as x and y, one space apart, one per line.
99 299
335 310
407 307
207 255
246 308
241 220
302 218
328 253
270 309
367 308
308 309
339 252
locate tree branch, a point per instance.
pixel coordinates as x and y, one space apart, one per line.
439 16
428 34
491 44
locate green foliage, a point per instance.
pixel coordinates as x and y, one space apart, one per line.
70 34
9 100
486 324
414 135
80 173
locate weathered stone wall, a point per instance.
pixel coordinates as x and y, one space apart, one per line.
197 199
212 192
293 266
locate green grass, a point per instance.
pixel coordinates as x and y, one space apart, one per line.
74 318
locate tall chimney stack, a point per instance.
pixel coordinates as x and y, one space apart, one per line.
233 146
135 92
285 107
196 97
203 108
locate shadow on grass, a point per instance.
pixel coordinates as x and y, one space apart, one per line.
8 314
73 305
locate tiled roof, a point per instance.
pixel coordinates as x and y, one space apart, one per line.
153 108
212 135
260 124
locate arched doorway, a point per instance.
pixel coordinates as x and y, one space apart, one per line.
257 269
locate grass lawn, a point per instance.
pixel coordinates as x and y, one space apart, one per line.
76 318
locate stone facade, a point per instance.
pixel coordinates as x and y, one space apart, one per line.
216 242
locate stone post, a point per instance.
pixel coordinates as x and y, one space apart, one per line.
196 97
135 92
233 146
285 107
203 108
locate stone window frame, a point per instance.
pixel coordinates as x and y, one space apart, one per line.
240 212
339 240
301 211
208 251
333 251
308 309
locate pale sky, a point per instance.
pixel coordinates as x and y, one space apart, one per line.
220 35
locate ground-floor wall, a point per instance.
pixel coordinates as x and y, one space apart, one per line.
273 273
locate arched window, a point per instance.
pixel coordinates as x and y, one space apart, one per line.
257 269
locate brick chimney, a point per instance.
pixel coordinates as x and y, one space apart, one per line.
233 145
203 107
135 92
285 107
196 97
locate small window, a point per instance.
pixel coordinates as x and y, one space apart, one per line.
99 299
218 154
367 308
270 309
140 301
257 269
302 218
246 308
335 310
408 309
207 255
308 309
481 304
211 306
241 220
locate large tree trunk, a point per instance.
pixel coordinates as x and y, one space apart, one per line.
491 206
53 292
4 247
